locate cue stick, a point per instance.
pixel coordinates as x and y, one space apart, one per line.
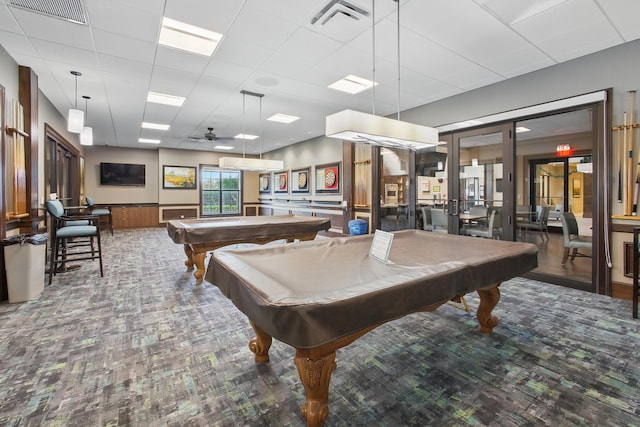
620 155
631 147
635 192
629 168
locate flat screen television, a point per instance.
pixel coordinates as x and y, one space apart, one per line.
122 174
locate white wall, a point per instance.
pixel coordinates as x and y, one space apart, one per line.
317 151
109 194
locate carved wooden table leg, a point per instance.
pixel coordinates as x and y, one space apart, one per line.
260 345
198 259
315 374
489 298
189 253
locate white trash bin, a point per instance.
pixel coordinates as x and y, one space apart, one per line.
24 259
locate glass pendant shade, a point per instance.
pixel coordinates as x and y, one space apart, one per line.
75 120
86 137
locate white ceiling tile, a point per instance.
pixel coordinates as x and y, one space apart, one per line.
228 71
124 47
309 46
125 21
624 16
564 39
181 60
17 43
8 22
54 30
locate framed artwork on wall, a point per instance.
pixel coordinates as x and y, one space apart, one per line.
264 183
179 177
300 180
280 182
328 178
576 187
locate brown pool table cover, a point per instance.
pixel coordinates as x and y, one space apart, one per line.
233 228
310 293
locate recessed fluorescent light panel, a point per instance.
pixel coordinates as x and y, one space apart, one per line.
468 123
245 136
520 129
149 141
190 38
161 98
352 84
156 126
283 118
223 147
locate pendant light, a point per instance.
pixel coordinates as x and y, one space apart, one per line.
75 118
349 125
250 164
86 137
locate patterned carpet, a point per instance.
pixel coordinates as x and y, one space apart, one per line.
146 346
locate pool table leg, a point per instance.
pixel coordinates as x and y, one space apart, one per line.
189 253
197 259
315 373
260 345
489 298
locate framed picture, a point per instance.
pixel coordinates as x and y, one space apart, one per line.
328 178
265 183
179 177
300 181
576 187
281 182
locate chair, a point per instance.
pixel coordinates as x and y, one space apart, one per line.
481 230
426 218
69 242
539 224
100 212
439 221
571 237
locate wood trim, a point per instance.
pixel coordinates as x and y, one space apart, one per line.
168 214
3 148
28 97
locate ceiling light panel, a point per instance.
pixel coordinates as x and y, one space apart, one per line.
156 126
223 147
149 141
160 98
246 136
283 118
352 84
183 36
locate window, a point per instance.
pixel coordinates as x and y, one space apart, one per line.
220 191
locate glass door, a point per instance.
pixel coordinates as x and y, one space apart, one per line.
479 203
554 158
396 199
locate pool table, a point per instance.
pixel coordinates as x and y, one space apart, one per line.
321 296
202 235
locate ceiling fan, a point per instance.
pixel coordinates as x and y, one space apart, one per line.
210 136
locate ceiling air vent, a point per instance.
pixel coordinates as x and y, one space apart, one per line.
343 7
69 10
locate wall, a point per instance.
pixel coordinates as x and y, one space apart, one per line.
47 114
103 194
316 151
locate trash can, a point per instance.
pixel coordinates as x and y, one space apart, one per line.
24 256
358 227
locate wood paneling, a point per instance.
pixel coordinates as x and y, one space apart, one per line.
168 214
126 216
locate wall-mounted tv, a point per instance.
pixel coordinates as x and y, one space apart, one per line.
122 174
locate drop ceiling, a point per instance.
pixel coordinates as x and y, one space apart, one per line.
272 47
